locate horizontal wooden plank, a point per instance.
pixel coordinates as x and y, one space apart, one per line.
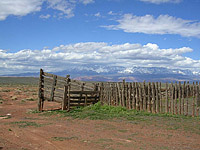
59 90
46 91
47 98
83 97
84 92
77 105
82 101
51 76
48 80
48 74
58 96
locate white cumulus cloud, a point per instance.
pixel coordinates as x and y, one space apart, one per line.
161 1
25 7
45 16
163 24
94 53
18 7
87 1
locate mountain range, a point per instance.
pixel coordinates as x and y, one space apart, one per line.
117 73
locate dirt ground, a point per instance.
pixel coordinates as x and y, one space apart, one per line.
22 130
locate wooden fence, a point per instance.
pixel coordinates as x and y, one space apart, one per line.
175 98
66 91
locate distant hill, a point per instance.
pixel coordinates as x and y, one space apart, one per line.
19 80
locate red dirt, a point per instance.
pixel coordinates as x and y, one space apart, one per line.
65 133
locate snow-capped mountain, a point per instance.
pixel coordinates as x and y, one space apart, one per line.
118 73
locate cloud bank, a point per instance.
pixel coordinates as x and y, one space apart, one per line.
163 24
92 53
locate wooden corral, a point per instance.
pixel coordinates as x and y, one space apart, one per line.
68 92
181 98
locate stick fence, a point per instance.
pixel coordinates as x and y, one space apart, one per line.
179 98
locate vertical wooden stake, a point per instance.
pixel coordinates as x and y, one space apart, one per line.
119 92
153 98
167 100
179 98
140 95
53 87
187 97
149 97
41 91
129 96
68 98
160 95
172 98
193 100
85 102
101 93
157 99
183 98
170 93
117 95
137 97
64 102
197 99
144 96
134 96
123 93
176 110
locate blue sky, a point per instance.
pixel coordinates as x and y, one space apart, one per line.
53 33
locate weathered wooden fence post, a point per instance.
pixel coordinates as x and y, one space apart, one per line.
149 97
176 110
123 93
144 96
119 93
193 99
157 99
140 95
68 97
137 97
187 98
172 98
116 95
53 87
134 96
101 93
167 100
153 101
160 95
179 98
64 102
81 95
96 87
197 99
183 98
130 100
65 96
41 91
127 95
